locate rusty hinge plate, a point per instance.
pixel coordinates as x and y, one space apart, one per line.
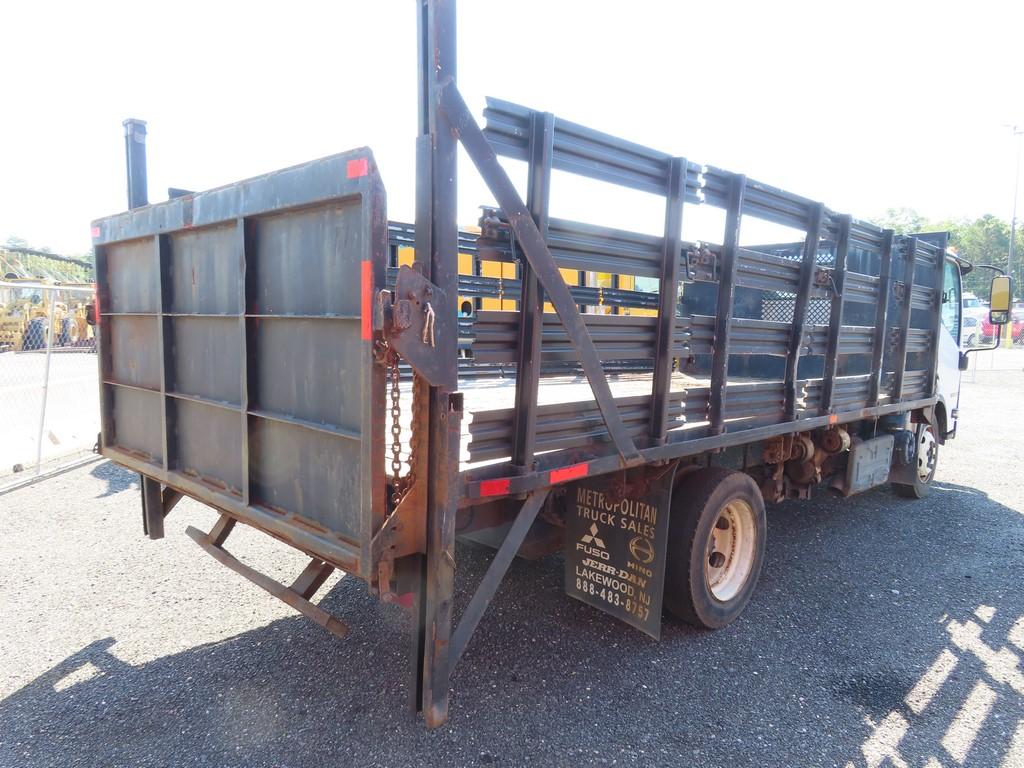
702 264
895 337
412 325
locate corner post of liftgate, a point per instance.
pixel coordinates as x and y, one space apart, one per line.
138 197
437 251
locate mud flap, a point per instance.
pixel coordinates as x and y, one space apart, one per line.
616 544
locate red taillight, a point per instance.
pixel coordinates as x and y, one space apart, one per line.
355 169
572 472
366 302
497 487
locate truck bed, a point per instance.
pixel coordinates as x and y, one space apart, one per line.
568 415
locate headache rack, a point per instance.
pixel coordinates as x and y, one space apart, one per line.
265 350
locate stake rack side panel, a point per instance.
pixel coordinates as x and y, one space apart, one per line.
236 350
828 329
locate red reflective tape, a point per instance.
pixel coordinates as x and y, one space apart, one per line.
569 473
833 418
497 487
95 232
366 315
357 168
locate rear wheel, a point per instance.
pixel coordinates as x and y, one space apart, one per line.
68 332
716 547
926 460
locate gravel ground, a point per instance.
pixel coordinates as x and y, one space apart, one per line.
884 632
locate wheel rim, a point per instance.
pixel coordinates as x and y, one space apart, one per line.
730 552
927 450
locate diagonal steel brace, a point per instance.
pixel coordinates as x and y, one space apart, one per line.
495 573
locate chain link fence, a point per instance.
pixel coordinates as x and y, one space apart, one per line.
49 394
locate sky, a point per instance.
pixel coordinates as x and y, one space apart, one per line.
863 106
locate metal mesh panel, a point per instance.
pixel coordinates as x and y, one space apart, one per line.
778 307
49 397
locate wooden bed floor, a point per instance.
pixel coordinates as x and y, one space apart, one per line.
482 395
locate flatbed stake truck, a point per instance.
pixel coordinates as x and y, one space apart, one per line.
265 350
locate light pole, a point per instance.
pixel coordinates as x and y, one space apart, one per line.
1018 132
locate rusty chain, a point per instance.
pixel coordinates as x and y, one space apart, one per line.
400 484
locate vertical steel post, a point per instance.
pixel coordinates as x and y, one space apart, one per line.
668 296
135 162
1018 133
723 309
46 379
796 337
245 234
165 346
531 298
437 251
881 317
138 196
935 326
909 248
835 320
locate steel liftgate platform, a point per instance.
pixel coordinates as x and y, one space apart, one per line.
236 353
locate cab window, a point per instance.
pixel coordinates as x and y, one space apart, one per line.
951 300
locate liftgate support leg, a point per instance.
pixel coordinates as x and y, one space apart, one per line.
156 503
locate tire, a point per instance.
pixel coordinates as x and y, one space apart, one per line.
68 332
696 590
35 335
926 459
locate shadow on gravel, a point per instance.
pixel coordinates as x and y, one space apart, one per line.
116 478
884 632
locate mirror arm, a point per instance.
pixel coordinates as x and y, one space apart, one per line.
965 352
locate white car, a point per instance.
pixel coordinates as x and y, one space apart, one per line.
975 311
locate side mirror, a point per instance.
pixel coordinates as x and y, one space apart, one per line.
999 300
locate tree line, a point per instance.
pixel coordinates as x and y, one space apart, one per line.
985 240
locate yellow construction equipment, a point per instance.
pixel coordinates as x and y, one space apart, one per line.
25 305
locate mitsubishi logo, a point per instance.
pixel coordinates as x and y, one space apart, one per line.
593 538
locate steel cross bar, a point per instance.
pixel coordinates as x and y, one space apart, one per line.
495 573
668 297
541 262
796 337
835 322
